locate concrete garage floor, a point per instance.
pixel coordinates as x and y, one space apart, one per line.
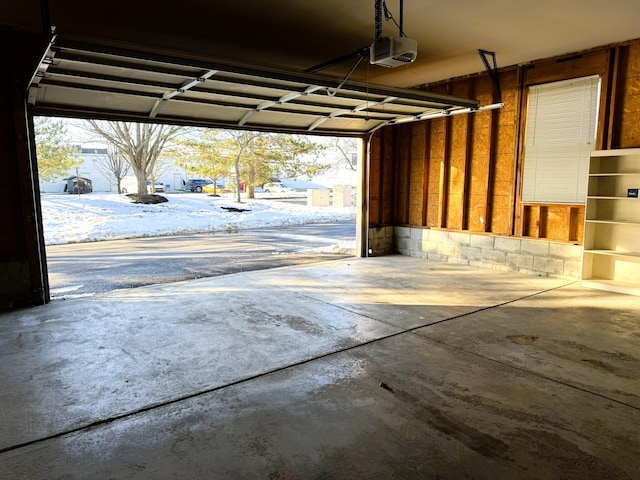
379 368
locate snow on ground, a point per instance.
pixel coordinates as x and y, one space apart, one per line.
105 216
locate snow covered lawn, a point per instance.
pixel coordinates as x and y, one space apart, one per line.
102 216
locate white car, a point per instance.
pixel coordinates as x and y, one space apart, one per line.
277 187
130 185
158 187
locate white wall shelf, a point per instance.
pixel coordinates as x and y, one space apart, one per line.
612 174
605 197
612 222
632 256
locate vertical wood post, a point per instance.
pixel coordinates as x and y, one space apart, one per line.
517 207
443 191
425 172
490 178
380 179
406 153
468 155
606 124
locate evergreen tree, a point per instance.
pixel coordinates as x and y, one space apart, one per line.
56 155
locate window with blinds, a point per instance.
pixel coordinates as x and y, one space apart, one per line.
560 135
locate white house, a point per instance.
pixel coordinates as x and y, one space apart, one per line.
173 177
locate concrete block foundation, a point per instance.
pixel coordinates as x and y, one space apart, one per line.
524 255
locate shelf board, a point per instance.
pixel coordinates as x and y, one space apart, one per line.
630 256
615 174
602 197
613 222
616 152
612 285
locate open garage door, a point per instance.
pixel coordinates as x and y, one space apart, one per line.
97 81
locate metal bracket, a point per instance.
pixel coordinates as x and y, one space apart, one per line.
492 70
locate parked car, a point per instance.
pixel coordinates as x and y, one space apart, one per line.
158 187
212 188
130 185
277 187
197 184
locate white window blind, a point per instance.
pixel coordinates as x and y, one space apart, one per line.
560 135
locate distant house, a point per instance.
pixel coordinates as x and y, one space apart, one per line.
174 177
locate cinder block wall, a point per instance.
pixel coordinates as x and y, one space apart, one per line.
381 241
529 256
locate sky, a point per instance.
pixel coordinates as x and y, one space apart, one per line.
69 218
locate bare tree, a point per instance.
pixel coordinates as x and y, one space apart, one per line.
113 166
163 164
140 144
346 152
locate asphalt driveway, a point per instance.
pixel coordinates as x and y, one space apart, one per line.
87 268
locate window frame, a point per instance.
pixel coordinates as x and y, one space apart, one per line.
541 151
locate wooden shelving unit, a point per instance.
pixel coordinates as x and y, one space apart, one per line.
611 255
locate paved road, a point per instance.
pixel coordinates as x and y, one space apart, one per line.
87 268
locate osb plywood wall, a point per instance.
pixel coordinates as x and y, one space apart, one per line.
464 172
